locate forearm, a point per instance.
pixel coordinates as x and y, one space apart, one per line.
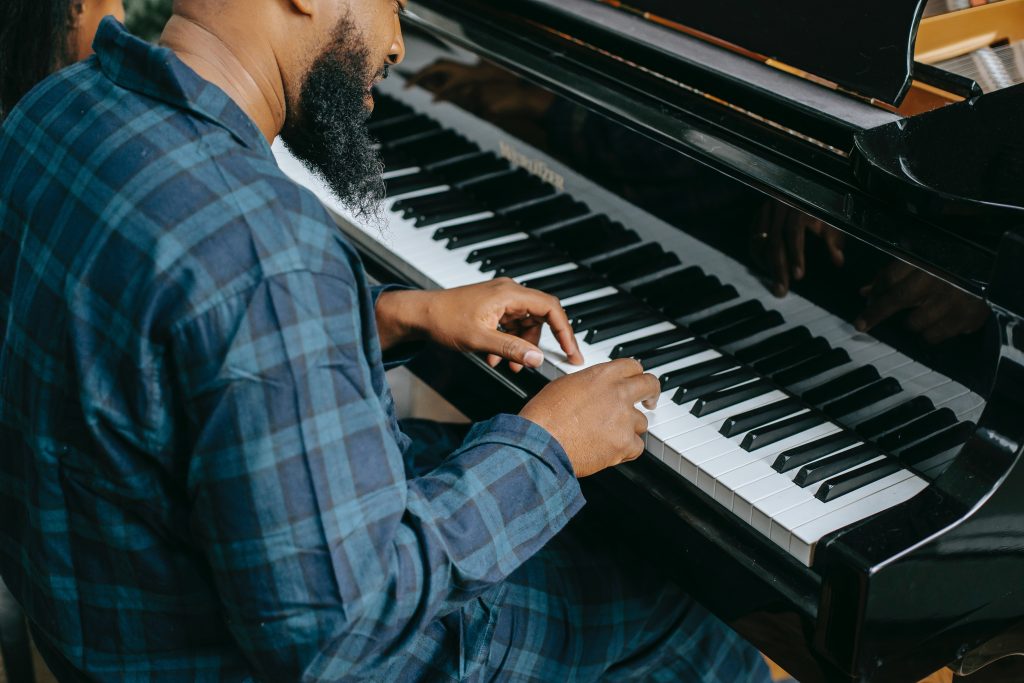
400 316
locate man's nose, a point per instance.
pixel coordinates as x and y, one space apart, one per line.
396 53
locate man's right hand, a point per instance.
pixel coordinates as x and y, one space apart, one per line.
593 413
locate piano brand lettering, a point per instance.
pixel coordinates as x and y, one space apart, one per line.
535 166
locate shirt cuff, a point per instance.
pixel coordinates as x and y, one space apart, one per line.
512 430
401 354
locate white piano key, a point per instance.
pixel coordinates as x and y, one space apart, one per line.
760 463
803 538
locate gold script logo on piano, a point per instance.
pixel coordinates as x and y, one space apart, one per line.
535 166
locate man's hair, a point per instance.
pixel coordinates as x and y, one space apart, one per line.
34 42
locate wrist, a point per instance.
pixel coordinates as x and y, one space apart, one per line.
400 317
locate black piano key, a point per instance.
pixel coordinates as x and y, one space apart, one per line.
800 353
503 264
386 107
746 329
474 232
783 429
449 213
476 166
592 233
862 398
612 330
682 297
431 150
811 451
758 417
812 367
617 300
413 182
855 479
403 128
659 357
376 121
938 449
570 288
917 430
625 259
507 249
677 283
642 270
410 206
841 386
722 319
677 378
775 344
526 265
727 398
896 416
647 345
837 463
559 282
548 212
698 389
694 305
607 316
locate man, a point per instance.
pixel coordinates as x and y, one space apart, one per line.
203 477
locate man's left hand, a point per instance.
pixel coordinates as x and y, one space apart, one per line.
500 318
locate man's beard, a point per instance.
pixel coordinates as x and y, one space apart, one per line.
327 131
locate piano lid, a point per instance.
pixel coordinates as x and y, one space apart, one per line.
863 46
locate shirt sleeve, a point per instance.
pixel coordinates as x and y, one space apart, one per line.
403 353
326 557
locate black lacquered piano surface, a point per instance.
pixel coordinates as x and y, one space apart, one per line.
784 432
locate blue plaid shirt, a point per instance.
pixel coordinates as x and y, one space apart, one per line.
201 473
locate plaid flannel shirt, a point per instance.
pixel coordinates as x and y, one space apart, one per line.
201 473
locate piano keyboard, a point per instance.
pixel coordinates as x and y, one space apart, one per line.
782 413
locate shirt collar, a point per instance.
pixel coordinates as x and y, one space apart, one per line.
157 72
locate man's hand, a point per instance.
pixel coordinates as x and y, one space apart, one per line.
779 239
938 311
593 413
500 318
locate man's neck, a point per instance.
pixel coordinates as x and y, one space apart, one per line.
252 80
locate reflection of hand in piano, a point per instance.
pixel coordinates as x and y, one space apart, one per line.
935 310
500 318
778 242
484 89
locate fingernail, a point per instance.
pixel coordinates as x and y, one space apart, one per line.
780 290
860 325
534 358
798 273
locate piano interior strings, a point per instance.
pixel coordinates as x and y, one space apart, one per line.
829 490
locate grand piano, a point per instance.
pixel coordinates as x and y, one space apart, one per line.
850 500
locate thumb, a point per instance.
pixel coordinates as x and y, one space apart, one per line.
512 348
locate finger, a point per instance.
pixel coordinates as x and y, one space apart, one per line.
796 250
511 348
893 275
515 367
835 242
883 307
626 367
493 360
636 451
927 314
644 388
545 307
641 424
780 264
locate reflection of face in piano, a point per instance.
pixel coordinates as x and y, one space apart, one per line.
326 127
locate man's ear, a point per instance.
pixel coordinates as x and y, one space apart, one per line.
303 6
